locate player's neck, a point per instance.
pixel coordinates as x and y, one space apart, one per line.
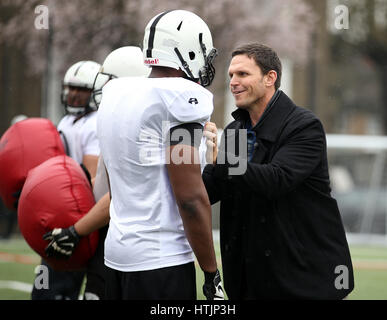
164 72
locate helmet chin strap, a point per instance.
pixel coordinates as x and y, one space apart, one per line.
184 64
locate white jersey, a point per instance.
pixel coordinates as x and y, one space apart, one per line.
80 137
145 231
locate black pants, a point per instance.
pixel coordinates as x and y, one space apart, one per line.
96 271
63 285
171 283
8 221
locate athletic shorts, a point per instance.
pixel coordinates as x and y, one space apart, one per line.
171 283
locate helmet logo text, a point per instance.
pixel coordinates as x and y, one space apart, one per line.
151 61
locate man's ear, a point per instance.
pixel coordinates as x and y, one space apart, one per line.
270 78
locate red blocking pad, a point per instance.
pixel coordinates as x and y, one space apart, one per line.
25 145
56 194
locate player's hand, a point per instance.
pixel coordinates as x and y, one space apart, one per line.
212 287
62 242
211 133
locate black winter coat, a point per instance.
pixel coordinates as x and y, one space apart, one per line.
281 233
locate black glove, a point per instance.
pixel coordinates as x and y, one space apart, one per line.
63 242
212 287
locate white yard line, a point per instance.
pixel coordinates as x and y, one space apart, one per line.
16 285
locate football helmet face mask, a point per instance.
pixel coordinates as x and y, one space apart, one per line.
79 75
122 62
180 39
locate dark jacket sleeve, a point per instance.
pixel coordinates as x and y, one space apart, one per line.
293 162
210 182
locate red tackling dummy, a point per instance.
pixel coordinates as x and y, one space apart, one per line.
25 145
56 194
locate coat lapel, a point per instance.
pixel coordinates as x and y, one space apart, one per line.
269 127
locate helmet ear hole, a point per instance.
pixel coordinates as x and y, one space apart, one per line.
192 55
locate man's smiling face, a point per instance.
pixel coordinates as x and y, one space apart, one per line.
246 81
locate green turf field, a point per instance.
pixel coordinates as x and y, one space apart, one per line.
18 262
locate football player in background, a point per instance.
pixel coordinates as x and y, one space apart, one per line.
78 132
123 62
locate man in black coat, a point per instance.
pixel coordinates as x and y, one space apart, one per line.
281 233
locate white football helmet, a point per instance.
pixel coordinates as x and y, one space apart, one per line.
82 75
180 39
122 62
17 118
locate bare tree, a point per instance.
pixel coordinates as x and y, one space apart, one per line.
366 35
90 29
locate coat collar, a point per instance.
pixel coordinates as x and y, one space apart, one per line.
270 123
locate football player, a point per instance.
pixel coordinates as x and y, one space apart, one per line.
78 132
123 62
149 131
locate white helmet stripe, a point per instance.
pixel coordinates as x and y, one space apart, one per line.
152 33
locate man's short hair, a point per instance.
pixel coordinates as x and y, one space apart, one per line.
265 57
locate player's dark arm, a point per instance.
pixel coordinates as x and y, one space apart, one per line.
193 203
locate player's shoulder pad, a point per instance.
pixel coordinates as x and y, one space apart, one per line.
190 102
117 85
120 88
